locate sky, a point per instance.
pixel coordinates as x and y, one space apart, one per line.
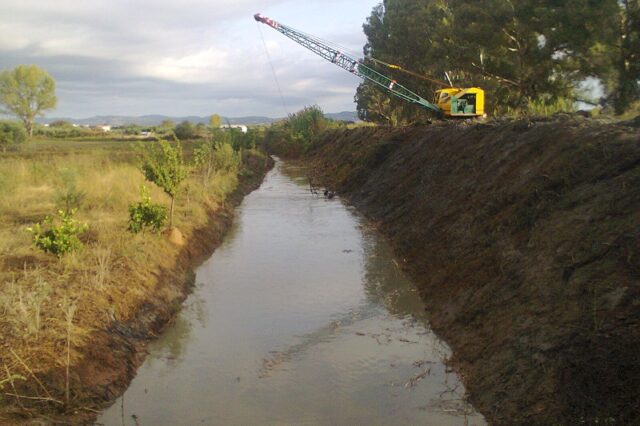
178 58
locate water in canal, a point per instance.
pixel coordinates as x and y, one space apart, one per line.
300 317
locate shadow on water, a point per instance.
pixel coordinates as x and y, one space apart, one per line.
176 338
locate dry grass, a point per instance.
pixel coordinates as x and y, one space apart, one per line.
108 280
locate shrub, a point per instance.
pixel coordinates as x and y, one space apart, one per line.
225 158
185 130
11 134
306 124
293 136
60 123
69 197
146 214
61 238
216 156
65 132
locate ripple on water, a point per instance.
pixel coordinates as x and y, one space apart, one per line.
302 316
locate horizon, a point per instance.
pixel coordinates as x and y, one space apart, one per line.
60 117
114 58
156 119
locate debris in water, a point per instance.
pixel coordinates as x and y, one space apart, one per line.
415 379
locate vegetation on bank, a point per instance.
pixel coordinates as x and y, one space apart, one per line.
62 282
292 136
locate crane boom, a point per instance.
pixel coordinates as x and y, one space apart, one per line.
346 62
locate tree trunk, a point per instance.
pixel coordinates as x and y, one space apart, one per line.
28 125
627 89
173 199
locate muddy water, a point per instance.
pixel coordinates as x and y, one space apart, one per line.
300 317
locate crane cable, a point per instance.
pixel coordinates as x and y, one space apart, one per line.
348 51
415 74
378 61
273 70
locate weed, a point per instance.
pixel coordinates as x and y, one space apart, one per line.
69 314
69 197
103 266
146 214
58 239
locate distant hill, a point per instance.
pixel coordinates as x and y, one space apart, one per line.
343 116
154 120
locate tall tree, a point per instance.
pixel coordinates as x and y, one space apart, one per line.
27 92
415 34
529 50
601 39
626 58
520 51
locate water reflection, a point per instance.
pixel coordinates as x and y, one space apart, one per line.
385 283
176 337
302 317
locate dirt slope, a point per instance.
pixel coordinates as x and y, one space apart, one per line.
524 238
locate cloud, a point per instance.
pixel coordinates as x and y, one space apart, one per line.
189 57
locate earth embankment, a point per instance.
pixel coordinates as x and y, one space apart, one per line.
524 239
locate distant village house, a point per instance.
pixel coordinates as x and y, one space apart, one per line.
242 127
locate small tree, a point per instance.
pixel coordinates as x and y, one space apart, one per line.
203 160
167 124
163 164
27 92
215 121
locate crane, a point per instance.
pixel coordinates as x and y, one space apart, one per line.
448 102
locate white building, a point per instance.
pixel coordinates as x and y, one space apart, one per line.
242 127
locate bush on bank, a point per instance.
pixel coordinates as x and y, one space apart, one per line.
293 136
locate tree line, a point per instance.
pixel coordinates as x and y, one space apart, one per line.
524 53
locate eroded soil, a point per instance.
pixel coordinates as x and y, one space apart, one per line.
524 238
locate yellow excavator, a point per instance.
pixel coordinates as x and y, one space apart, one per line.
452 101
449 102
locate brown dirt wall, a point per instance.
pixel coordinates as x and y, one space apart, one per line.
524 239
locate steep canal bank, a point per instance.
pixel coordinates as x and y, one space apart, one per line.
524 239
301 316
111 355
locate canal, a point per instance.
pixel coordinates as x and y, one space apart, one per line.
302 316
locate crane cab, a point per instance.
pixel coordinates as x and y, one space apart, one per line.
457 102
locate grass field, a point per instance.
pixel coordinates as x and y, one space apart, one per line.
49 306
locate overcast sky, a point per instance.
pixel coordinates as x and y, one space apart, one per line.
189 57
